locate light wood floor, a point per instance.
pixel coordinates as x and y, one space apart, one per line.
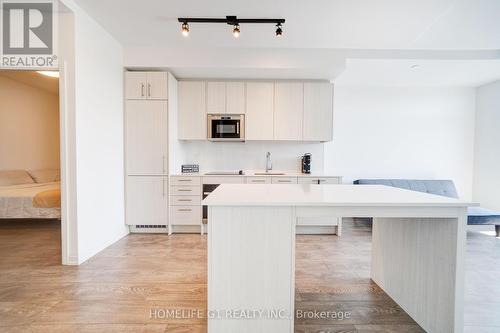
116 290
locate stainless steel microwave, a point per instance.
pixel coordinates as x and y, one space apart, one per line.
226 127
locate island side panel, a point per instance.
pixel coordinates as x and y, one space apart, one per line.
419 262
251 264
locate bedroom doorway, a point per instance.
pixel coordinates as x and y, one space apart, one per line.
30 176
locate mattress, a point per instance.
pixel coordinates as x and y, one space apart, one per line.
16 201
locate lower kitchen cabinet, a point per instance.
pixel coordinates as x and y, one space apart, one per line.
185 215
146 200
284 180
259 180
185 204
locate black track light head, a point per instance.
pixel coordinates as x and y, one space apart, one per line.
279 31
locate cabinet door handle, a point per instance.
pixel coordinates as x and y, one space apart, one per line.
185 200
149 89
184 190
184 210
283 181
184 180
163 187
163 163
258 181
142 89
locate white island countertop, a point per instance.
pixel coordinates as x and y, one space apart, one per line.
325 195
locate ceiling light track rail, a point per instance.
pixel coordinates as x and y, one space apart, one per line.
230 20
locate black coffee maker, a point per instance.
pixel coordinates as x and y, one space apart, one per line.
306 163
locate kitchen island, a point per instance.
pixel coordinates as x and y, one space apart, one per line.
418 251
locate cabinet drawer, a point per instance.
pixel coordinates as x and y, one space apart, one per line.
284 180
185 190
180 180
319 180
185 200
224 180
329 180
187 215
259 180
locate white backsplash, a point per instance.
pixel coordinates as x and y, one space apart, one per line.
249 155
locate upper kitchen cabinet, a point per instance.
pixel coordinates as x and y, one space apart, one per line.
235 97
225 97
318 111
260 111
192 122
288 110
146 85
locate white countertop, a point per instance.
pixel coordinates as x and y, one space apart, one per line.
325 195
259 173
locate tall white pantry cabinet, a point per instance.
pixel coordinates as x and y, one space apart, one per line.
146 150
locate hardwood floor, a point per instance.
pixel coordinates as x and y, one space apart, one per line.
117 290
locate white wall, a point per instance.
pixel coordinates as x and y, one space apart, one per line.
248 155
403 132
487 146
29 127
98 116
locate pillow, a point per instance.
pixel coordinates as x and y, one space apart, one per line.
15 177
46 175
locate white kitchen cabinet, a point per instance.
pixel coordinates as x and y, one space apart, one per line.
259 111
319 180
226 97
146 135
284 180
318 111
216 97
157 85
185 203
146 200
192 121
259 180
135 85
288 110
235 97
146 85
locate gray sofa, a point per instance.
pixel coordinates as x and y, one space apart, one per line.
476 215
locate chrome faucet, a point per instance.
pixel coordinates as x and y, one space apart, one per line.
269 164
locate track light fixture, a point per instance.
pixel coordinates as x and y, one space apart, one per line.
236 31
185 29
279 31
230 20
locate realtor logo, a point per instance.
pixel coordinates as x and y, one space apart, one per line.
29 34
27 28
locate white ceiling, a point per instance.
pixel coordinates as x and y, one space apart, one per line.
418 72
318 34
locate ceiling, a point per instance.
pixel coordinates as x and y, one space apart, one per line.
33 79
406 72
318 36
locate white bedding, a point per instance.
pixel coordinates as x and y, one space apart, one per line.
16 201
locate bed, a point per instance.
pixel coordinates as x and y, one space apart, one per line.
33 195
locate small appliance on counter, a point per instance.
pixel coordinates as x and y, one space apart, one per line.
306 163
190 168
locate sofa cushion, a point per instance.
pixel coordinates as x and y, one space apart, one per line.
440 187
480 215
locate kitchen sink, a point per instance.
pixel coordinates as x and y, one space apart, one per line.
269 174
